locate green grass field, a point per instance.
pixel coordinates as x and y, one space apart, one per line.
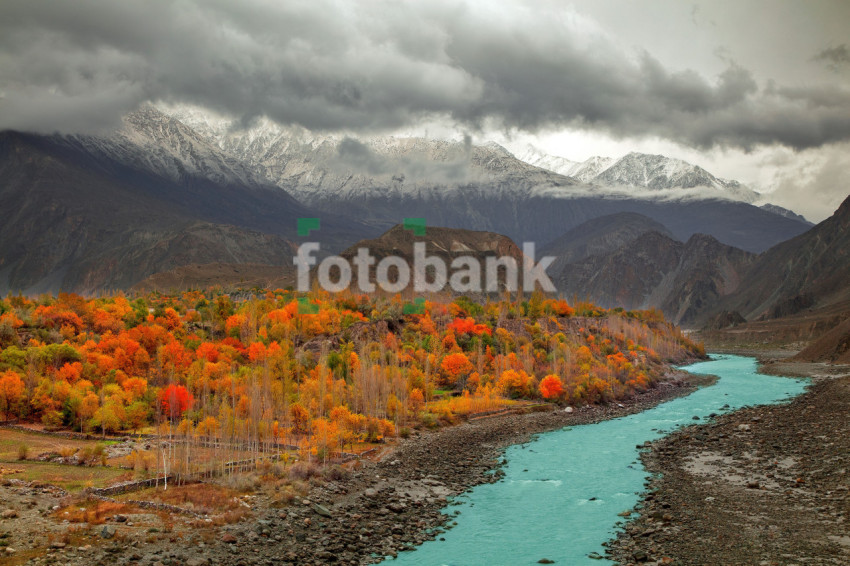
11 440
71 478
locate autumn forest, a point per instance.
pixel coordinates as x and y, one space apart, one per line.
268 373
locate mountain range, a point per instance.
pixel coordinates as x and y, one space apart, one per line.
182 194
684 280
810 271
458 184
87 214
635 265
654 172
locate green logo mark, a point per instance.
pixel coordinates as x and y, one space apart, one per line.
415 224
306 307
416 307
307 225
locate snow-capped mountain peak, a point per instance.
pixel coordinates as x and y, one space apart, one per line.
640 171
656 172
153 141
534 156
589 169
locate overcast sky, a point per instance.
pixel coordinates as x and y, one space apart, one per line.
753 90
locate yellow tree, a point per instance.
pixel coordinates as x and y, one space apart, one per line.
88 407
416 401
300 417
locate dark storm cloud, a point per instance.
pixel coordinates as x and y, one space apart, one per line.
368 66
834 57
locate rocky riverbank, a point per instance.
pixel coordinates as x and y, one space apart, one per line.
392 506
763 486
378 510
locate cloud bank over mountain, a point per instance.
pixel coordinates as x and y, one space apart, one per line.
367 67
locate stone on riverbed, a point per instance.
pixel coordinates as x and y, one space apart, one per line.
321 510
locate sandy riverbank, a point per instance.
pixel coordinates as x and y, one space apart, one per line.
761 486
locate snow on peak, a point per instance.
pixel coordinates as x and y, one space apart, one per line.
154 141
641 175
534 156
590 168
315 166
184 140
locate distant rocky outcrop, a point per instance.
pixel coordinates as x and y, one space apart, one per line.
224 275
684 280
724 320
784 212
599 236
833 346
807 272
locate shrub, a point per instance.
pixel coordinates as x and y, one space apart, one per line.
8 336
335 473
93 513
91 455
242 482
98 455
429 420
52 419
304 471
83 455
286 497
276 470
23 452
67 451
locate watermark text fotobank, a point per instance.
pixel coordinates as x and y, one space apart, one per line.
428 274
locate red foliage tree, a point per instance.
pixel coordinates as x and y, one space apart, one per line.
175 400
455 366
551 387
468 326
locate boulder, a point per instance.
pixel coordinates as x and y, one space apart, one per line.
321 510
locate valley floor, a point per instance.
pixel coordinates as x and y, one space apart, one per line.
761 486
378 510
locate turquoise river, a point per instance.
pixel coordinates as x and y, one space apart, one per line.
562 492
